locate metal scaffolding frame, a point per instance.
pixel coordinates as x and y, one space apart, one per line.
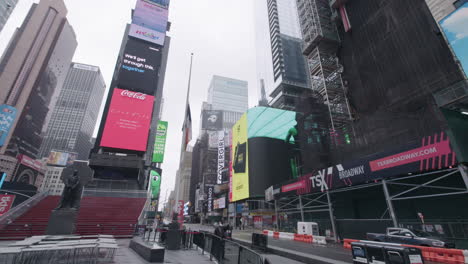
321 41
321 202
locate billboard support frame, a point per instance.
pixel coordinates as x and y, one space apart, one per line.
290 203
332 217
301 207
388 199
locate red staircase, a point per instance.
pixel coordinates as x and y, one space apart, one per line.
109 215
33 222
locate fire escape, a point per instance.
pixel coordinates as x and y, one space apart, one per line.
321 42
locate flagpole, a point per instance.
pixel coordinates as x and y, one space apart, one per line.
189 81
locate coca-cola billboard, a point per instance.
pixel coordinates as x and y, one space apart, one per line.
128 120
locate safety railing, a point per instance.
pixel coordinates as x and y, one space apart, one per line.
226 251
114 193
19 210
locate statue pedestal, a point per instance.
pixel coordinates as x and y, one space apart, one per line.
62 222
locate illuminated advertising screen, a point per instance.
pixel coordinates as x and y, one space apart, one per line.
455 27
161 3
7 117
212 120
160 142
260 150
58 158
128 120
139 68
147 34
150 16
239 157
155 183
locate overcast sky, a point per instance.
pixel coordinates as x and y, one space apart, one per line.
219 32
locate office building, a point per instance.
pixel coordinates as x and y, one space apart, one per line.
182 187
33 66
6 8
228 94
441 8
281 66
53 181
75 113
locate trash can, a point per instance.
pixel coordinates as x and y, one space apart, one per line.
173 239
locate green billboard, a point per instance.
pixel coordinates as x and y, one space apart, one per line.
155 183
160 142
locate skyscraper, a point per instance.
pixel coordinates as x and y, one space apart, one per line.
440 8
33 66
6 8
228 94
75 114
280 62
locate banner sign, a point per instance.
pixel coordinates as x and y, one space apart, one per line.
7 117
31 163
180 211
210 198
155 178
221 153
432 153
220 203
6 201
160 142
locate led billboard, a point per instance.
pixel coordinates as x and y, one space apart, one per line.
128 120
270 122
58 158
212 120
161 3
239 157
155 183
260 155
160 142
456 31
150 16
7 117
139 68
147 34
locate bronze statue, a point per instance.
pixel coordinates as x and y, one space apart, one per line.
71 193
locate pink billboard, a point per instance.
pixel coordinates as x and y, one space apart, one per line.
128 120
6 201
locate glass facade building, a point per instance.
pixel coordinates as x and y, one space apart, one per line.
228 94
76 111
280 62
6 8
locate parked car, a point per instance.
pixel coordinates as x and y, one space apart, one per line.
410 237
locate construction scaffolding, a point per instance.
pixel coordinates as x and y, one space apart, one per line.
321 42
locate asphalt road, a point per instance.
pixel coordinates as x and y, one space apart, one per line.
331 253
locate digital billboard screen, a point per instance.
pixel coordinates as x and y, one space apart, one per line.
150 16
160 142
7 117
147 34
239 157
139 68
212 120
259 148
456 31
161 3
128 120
